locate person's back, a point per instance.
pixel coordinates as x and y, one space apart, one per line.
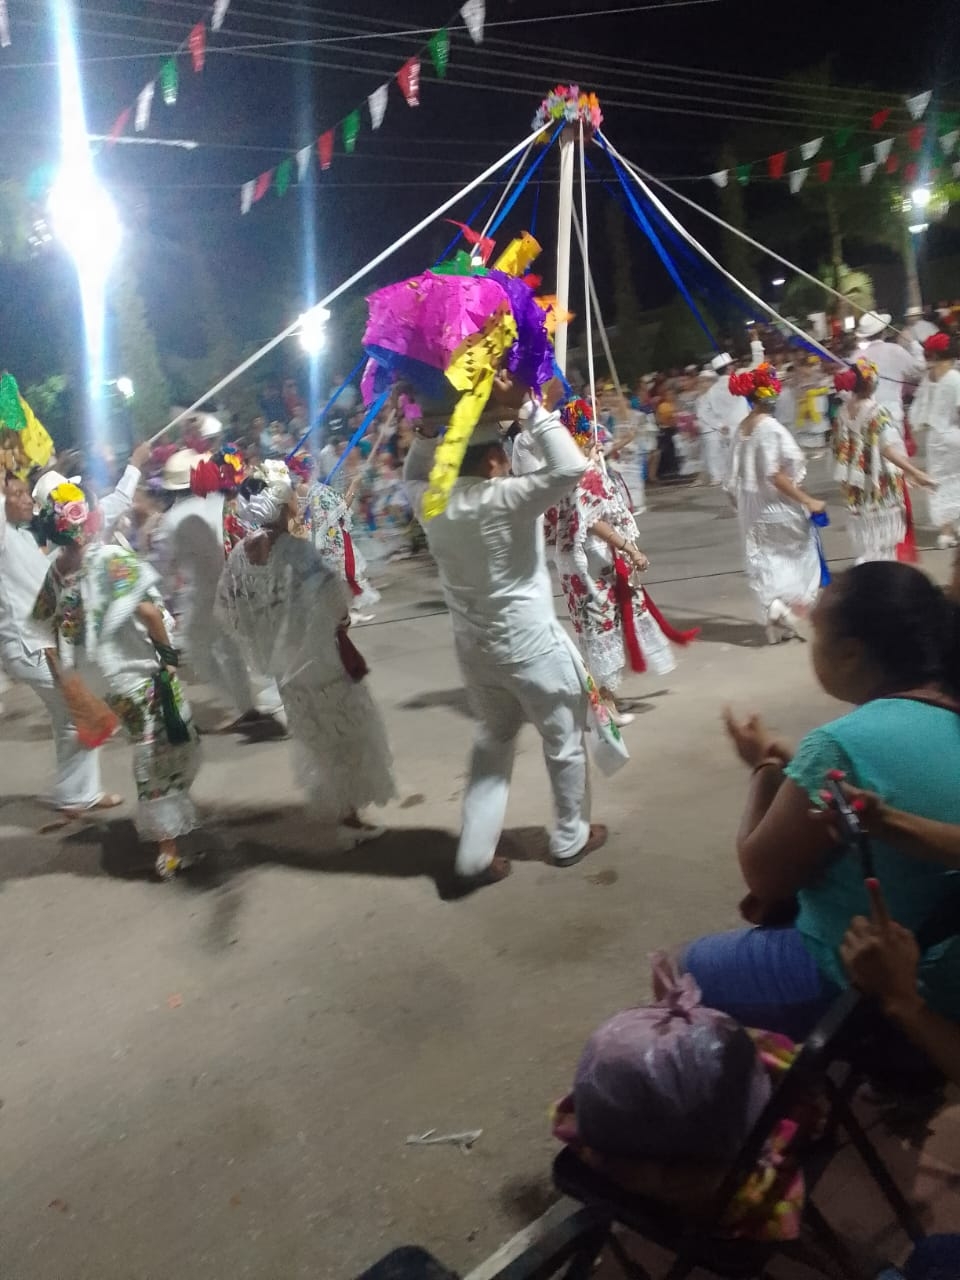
897 368
909 752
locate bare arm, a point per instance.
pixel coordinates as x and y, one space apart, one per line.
616 542
152 618
906 466
790 489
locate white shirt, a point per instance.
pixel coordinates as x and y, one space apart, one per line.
188 552
23 568
718 410
937 404
488 545
896 366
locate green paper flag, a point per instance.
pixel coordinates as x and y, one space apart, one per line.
440 51
850 165
841 139
351 130
947 121
169 81
284 174
743 173
12 417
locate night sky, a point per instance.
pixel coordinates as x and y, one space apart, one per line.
673 81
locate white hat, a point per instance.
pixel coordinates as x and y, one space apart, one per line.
873 323
210 427
176 470
719 363
913 313
49 481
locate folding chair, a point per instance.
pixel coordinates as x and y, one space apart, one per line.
700 1242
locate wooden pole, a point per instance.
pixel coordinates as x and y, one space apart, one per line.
564 235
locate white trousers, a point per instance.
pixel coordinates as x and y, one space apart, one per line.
77 783
547 692
715 454
217 659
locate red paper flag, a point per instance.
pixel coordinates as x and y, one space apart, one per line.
878 120
916 136
121 122
325 149
408 78
264 183
776 164
197 41
474 238
825 170
893 164
911 172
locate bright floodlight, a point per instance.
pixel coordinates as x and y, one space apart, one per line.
921 197
313 330
916 228
85 221
779 282
125 387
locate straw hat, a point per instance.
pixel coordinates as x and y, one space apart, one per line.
177 468
873 323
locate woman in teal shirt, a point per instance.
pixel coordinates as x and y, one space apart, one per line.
887 640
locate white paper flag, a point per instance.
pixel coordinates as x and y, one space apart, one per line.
809 149
377 102
797 178
220 8
867 171
144 106
246 195
4 26
303 161
473 14
917 105
949 140
721 177
881 150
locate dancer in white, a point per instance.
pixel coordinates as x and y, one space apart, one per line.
935 413
189 550
899 361
719 413
517 662
780 546
289 612
870 462
23 640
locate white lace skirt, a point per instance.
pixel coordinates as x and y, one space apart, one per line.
876 534
342 756
943 464
781 557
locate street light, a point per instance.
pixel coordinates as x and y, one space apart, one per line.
921 197
313 330
85 221
125 387
779 282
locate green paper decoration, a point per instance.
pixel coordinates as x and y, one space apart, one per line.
169 81
12 417
841 139
743 173
284 176
440 51
850 165
351 130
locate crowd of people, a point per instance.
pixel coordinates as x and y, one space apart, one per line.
244 563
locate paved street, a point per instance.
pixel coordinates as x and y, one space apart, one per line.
216 1078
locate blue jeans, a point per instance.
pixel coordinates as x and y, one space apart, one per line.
763 977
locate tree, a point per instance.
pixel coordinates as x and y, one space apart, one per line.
738 257
137 355
627 343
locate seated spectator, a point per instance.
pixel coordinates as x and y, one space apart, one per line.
884 641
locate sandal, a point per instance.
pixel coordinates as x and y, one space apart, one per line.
463 886
105 801
596 840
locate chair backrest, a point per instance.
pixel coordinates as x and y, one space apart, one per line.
802 1080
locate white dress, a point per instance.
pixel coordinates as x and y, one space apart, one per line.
936 412
780 546
288 615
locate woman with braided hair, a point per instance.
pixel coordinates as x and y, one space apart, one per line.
767 470
110 622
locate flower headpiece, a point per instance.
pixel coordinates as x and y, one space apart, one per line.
566 102
760 383
222 472
66 517
577 417
937 344
862 370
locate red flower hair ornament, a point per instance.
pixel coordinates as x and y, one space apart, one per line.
760 383
937 344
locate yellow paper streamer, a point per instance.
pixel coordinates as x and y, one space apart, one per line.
29 448
518 256
471 371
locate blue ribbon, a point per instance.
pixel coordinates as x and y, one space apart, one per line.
821 521
644 223
360 431
521 185
327 407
